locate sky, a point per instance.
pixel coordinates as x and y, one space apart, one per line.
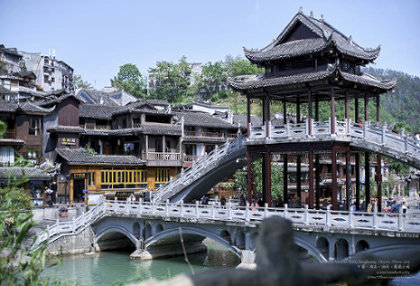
96 37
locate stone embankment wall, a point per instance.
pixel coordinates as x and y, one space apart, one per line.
72 244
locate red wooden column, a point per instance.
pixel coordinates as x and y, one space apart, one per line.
267 115
299 179
309 112
317 173
332 112
311 179
348 180
284 112
285 178
250 178
357 156
334 178
248 116
297 110
366 107
367 179
346 109
266 171
378 161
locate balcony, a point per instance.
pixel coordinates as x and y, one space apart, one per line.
162 159
192 135
9 134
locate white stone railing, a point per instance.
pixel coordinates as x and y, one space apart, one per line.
162 156
345 130
60 228
305 217
198 168
299 217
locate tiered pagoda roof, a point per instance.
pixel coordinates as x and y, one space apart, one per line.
311 54
306 35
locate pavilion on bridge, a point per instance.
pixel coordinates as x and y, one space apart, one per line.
311 62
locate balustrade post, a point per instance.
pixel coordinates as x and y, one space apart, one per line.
128 206
167 207
406 143
74 225
265 210
365 129
247 211
375 217
287 129
140 206
229 206
153 207
351 217
115 204
269 129
306 215
212 211
83 217
327 216
216 152
285 211
182 208
384 133
400 219
197 214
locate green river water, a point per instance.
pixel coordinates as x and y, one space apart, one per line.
115 268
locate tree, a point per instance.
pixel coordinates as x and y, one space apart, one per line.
78 82
129 79
240 66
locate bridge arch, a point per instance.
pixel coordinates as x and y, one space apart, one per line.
159 228
361 245
311 249
226 235
147 231
136 230
174 232
240 239
116 229
323 245
341 249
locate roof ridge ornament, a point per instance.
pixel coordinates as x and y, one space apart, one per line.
301 9
311 14
322 18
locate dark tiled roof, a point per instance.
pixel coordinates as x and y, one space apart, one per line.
242 120
97 111
152 129
328 35
10 51
251 82
97 95
151 101
54 101
26 107
24 172
78 157
6 91
66 129
203 119
29 74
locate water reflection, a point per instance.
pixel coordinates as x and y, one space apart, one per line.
106 268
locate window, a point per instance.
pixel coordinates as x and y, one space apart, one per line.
91 178
117 179
162 175
33 126
45 78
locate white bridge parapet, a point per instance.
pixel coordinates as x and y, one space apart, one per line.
303 217
400 146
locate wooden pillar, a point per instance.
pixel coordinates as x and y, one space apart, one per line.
267 115
249 176
357 170
147 148
334 178
367 179
346 109
71 191
284 112
379 181
366 107
317 182
378 109
266 172
311 179
297 110
309 112
348 180
332 111
285 177
316 109
299 178
248 116
356 110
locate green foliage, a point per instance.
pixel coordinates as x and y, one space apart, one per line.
80 83
89 151
130 80
13 196
172 81
240 66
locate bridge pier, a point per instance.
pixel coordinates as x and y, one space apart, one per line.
247 260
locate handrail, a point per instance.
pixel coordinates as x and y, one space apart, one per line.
216 212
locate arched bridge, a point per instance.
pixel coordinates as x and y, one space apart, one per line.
156 229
